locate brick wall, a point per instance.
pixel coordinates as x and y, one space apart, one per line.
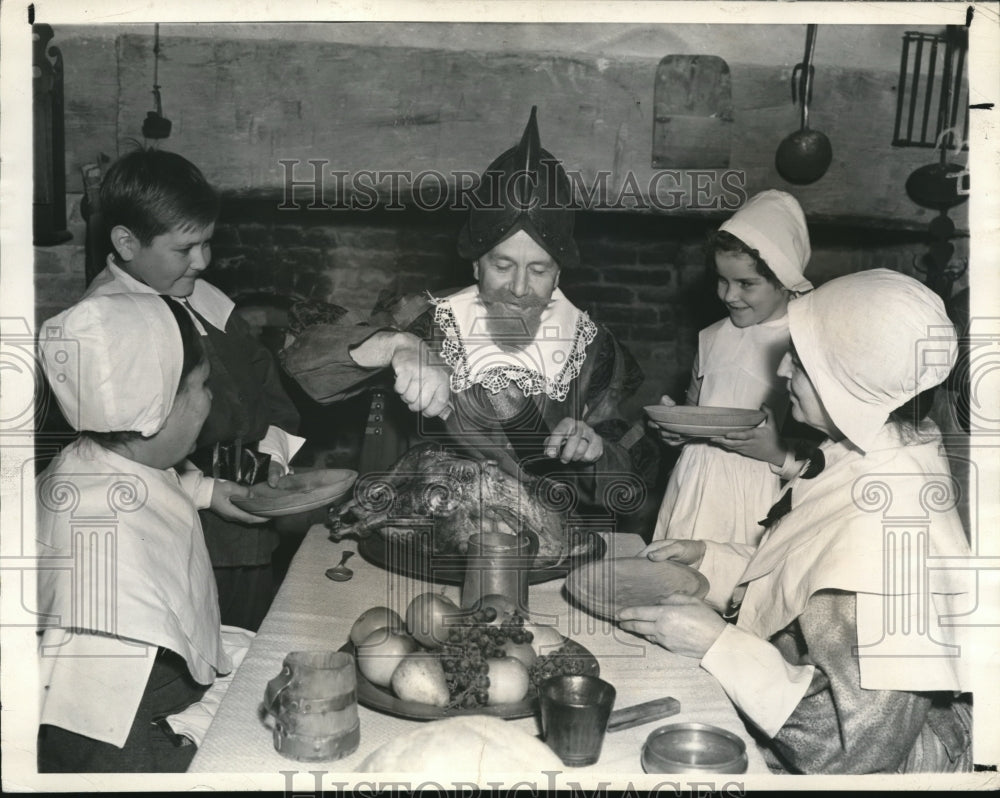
643 276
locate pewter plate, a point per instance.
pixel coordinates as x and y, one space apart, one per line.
606 586
297 493
402 556
703 422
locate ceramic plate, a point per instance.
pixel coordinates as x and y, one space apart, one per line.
402 557
382 699
606 586
297 493
703 421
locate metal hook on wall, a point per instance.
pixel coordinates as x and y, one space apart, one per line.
156 125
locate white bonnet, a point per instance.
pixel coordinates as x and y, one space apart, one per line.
772 222
870 342
114 362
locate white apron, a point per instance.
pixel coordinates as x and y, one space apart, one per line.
873 524
712 493
121 555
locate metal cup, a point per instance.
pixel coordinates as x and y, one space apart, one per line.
498 564
575 711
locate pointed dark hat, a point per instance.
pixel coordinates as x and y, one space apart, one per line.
525 188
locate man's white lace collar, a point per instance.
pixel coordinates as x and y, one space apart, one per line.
547 365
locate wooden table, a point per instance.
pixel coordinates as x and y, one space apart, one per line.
312 612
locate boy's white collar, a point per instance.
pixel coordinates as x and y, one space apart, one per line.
211 303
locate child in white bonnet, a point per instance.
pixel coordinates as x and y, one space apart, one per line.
850 648
720 487
130 627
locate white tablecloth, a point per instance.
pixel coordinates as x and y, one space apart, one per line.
312 612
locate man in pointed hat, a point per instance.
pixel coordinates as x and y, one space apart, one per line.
514 370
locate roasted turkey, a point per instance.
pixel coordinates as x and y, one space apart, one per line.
432 493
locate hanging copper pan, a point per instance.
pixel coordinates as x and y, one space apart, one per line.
940 185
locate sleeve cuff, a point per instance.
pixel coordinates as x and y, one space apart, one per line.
757 678
723 565
196 485
281 445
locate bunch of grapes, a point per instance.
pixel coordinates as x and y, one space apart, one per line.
513 626
464 655
548 665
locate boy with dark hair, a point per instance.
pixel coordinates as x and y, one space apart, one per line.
159 212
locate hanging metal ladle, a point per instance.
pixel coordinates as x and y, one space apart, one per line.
804 156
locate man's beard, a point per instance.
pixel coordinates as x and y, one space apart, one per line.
512 322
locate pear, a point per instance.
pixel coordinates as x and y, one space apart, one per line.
419 677
427 618
544 639
380 653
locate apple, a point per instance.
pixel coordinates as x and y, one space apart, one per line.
521 651
419 677
509 680
428 617
544 639
380 653
372 619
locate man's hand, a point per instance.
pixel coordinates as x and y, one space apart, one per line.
424 386
682 624
688 552
221 505
574 441
760 443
